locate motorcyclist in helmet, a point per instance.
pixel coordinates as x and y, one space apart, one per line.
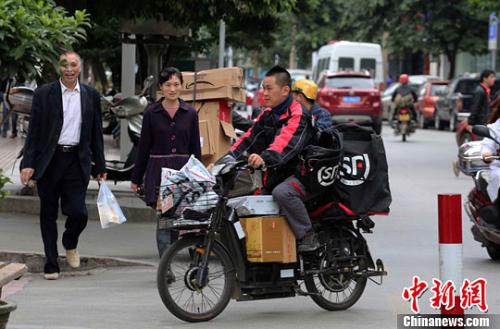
304 91
401 96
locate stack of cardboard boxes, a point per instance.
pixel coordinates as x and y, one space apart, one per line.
211 92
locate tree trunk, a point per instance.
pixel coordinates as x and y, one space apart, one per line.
452 56
292 60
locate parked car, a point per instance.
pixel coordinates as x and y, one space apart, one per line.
351 96
415 81
455 99
427 98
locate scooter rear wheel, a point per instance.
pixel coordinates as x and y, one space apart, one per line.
179 289
337 291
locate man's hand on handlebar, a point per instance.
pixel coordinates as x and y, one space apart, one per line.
255 161
489 156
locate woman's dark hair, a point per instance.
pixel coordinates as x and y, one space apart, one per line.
167 74
485 74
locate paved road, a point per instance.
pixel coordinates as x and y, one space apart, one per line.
406 241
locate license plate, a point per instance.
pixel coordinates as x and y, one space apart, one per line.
351 99
404 117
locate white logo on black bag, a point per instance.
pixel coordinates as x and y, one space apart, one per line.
355 170
327 175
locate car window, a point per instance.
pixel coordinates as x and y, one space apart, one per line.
368 64
350 82
466 86
346 63
438 89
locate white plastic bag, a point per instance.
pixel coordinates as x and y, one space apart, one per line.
196 171
109 210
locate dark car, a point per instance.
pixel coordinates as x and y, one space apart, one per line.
427 98
456 99
351 96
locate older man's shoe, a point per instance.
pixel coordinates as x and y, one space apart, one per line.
51 276
73 258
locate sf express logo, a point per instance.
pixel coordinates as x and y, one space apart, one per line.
355 170
327 175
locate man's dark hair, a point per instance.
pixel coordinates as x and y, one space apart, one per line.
282 76
167 74
485 74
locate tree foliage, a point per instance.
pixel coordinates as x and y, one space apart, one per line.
33 33
435 27
4 180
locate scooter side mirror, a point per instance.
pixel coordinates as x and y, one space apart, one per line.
482 131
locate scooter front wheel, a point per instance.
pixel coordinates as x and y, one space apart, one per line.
179 289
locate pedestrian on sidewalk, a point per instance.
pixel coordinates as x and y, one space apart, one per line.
480 108
170 135
64 136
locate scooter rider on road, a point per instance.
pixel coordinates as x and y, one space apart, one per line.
403 91
304 91
278 135
291 194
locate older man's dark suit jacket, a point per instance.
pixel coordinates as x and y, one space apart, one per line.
46 121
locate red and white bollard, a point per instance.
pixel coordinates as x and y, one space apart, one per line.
450 245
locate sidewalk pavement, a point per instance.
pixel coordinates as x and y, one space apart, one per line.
133 207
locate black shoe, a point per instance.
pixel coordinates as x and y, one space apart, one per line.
14 135
4 134
309 242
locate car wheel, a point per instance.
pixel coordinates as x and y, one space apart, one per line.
421 122
453 122
438 124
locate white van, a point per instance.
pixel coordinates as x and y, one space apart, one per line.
350 56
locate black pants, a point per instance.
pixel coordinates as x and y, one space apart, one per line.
64 181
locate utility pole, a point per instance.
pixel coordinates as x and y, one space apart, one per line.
222 40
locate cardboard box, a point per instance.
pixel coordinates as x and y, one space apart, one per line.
207 139
216 133
227 76
269 239
205 92
224 83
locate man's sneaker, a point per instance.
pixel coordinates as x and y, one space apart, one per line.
51 276
73 258
309 242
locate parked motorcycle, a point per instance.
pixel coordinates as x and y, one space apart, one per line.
403 124
20 99
207 266
483 214
131 109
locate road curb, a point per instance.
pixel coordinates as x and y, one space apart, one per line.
133 208
35 261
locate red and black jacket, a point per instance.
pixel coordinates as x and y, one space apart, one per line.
277 140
